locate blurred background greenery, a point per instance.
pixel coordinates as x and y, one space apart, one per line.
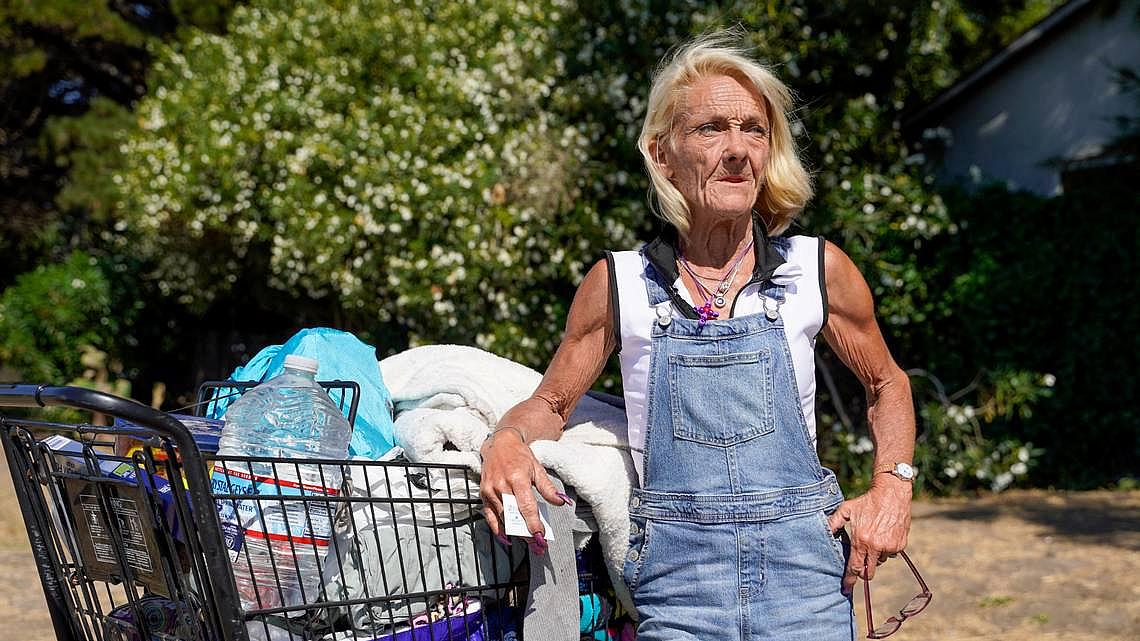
186 181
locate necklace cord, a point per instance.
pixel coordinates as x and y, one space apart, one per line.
706 312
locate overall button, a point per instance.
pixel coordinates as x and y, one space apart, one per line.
832 489
633 556
771 308
633 529
634 502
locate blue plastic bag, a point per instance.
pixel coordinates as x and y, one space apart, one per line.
344 357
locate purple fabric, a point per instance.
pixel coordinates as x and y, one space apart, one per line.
485 625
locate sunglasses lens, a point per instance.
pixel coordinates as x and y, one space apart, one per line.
886 629
916 605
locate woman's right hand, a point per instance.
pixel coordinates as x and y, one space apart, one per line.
509 467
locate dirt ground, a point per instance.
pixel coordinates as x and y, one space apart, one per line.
1017 566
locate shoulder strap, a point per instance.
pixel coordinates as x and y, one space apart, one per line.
615 309
822 280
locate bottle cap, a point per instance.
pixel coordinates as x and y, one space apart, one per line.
303 363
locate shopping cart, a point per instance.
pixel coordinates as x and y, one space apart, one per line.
131 547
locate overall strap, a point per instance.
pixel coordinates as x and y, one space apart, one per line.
661 291
772 292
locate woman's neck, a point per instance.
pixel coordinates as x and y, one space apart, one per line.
714 245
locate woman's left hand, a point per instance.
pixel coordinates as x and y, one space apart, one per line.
877 522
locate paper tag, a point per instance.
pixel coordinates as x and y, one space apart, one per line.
513 523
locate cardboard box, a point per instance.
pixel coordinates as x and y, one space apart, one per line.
206 431
69 454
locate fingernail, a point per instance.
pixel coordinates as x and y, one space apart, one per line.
569 501
502 539
538 545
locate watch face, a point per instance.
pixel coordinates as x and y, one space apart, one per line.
905 470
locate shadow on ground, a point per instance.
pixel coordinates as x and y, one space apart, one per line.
1103 518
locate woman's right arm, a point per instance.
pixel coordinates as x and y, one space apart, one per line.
509 466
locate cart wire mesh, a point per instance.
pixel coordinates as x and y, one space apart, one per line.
132 547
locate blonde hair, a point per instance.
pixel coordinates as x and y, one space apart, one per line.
787 185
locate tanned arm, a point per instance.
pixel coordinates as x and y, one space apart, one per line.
509 465
880 519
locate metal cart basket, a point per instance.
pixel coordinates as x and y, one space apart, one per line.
131 547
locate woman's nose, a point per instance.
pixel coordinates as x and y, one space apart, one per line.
734 150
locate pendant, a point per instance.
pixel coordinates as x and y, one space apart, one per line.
706 313
723 289
719 302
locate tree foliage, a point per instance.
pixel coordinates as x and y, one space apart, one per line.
446 172
58 58
400 161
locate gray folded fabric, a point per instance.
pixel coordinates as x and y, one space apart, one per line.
552 606
388 549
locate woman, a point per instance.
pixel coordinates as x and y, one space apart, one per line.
733 528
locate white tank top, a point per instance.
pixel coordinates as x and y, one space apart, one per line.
804 312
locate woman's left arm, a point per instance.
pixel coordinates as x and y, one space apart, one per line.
880 519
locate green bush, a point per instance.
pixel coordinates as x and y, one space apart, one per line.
401 162
1046 285
48 314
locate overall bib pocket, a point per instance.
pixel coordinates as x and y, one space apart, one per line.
721 399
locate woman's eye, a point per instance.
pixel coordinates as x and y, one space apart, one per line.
757 130
707 128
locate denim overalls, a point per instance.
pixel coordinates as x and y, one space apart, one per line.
729 536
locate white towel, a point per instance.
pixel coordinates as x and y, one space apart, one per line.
450 394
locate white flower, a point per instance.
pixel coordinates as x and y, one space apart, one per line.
1048 380
861 446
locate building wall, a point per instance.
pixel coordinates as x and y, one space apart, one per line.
1056 101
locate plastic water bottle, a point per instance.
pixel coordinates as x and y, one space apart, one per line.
288 417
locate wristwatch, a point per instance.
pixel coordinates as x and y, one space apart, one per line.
904 471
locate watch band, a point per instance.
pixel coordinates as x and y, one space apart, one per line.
898 469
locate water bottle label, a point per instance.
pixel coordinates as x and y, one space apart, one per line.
264 515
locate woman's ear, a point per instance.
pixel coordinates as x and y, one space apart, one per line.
658 154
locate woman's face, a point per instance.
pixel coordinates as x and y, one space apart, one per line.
718 152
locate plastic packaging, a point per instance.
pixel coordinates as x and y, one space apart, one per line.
275 543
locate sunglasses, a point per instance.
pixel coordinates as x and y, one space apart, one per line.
917 604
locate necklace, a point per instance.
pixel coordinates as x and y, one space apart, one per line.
706 311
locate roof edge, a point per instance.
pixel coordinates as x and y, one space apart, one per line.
1020 45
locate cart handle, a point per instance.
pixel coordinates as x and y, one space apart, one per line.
203 511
